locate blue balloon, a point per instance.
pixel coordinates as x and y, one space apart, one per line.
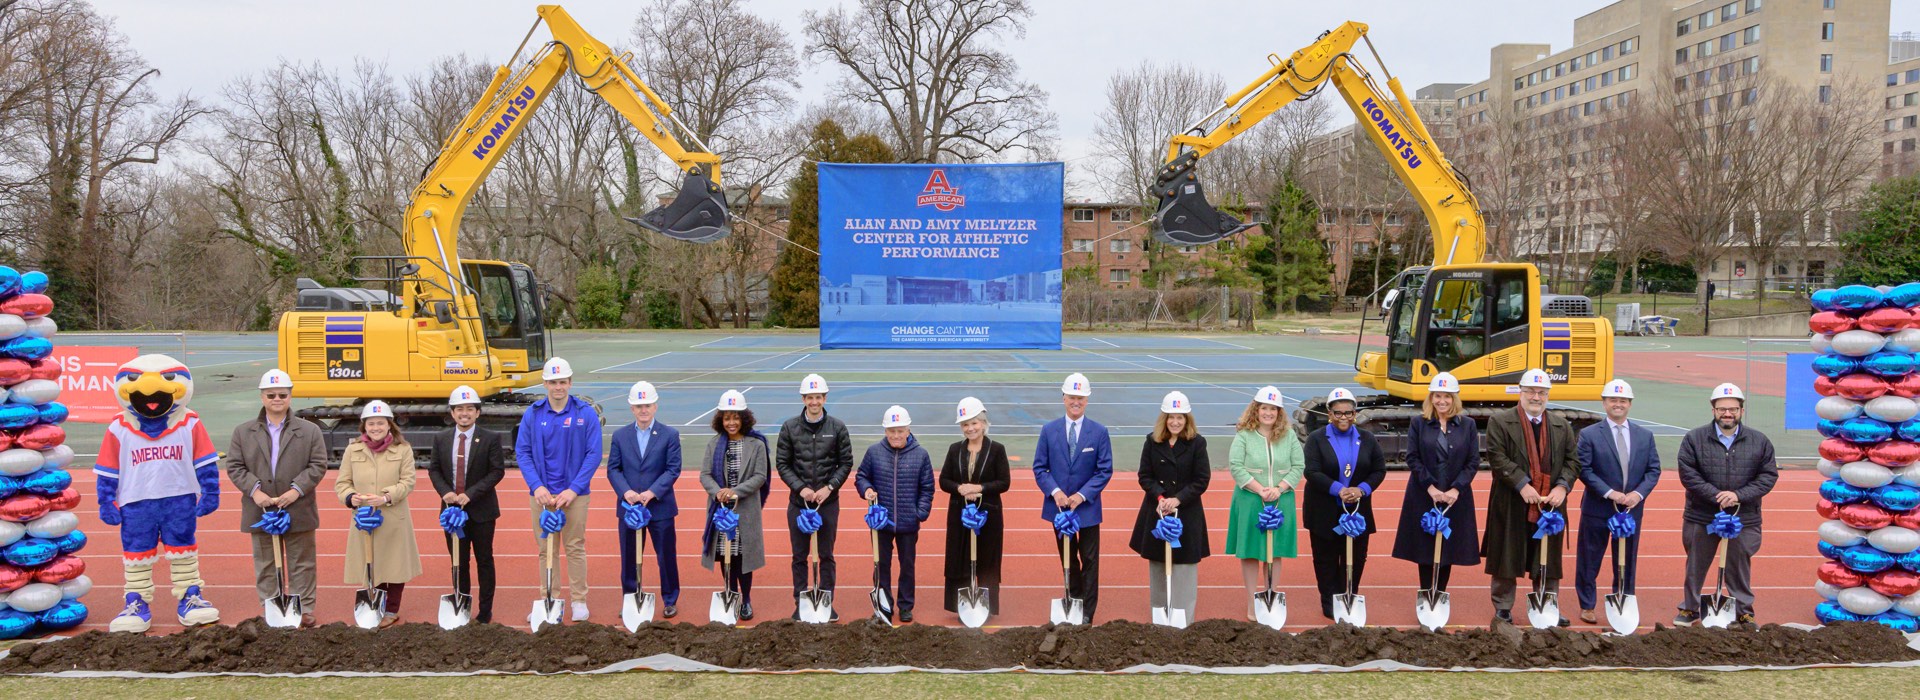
1857 297
1841 493
1888 364
1829 612
1865 430
30 551
47 482
53 413
1822 300
71 542
27 348
9 485
64 615
1827 428
9 281
14 624
1896 497
1899 621
34 282
1827 549
1835 366
1903 296
15 416
1909 561
1909 431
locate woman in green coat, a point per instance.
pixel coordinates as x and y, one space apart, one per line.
1267 461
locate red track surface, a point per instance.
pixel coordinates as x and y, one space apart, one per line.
1684 368
1783 572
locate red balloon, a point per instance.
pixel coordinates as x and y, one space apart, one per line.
1828 510
1894 453
1828 322
1865 516
1841 451
1895 582
28 306
1885 320
13 577
6 439
1823 385
63 568
41 437
1908 519
22 507
43 368
1838 574
1907 386
1860 386
69 499
14 371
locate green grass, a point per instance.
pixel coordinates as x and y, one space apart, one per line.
1752 684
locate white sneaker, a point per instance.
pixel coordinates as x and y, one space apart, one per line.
579 611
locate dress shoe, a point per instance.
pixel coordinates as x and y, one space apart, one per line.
906 614
1565 623
671 611
389 620
1588 617
746 611
307 620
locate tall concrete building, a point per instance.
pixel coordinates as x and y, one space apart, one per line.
1902 119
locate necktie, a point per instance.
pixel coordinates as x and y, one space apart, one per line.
460 465
1073 439
1620 445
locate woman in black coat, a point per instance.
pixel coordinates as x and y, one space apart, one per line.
1344 466
1443 455
1174 471
975 471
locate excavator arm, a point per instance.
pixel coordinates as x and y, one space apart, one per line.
1184 217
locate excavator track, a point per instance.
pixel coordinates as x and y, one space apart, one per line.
419 420
1388 418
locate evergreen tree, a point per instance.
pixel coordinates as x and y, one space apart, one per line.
1298 255
1884 247
794 289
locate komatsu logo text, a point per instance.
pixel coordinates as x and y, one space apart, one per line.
1400 144
515 108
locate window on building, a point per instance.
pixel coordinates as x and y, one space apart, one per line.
1587 109
1729 11
1726 73
1912 99
1559 69
1593 58
1559 93
1893 125
1623 98
1519 83
1826 63
1627 72
1826 4
1893 102
1826 94
1083 215
1753 6
1121 215
1119 276
1629 46
1913 76
1393 219
1749 96
1329 218
1703 49
1577 63
1606 78
1189 249
1366 218
1573 88
1362 248
1706 19
1593 81
1907 146
1750 35
1685 28
1729 43
1082 245
1893 79
1119 245
1680 84
1910 122
1826 31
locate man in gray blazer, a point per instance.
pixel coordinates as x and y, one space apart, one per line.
276 462
1620 466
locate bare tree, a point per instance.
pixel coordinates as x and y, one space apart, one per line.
1703 162
1146 106
933 68
1622 194
729 75
1818 157
1498 154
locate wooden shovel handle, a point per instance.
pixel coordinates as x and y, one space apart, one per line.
279 560
813 548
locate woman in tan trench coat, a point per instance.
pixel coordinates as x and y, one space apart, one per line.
377 470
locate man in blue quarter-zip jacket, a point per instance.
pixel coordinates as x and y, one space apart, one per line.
559 450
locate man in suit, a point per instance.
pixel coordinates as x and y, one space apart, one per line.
1072 464
277 460
1532 456
1620 466
467 462
642 465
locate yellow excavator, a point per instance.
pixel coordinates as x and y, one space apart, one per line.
1485 322
428 321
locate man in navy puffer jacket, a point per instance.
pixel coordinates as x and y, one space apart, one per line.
898 474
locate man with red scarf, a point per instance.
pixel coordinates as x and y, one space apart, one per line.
1532 456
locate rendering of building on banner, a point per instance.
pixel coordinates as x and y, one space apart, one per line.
940 256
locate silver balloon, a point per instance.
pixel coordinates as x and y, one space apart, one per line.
20 461
34 391
11 532
42 327
1866 475
1908 475
1909 605
1828 468
1821 342
58 456
11 326
77 586
1894 539
1826 590
1840 534
53 525
1891 409
34 597
1858 343
3 601
1864 601
1906 340
1838 408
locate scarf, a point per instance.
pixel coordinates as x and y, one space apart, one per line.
1536 442
718 470
378 446
1346 448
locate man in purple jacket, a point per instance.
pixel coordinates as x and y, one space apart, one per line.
559 450
898 474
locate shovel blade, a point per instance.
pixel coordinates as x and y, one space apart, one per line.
1623 613
367 608
636 610
1716 611
282 611
455 610
816 606
1170 617
1270 608
724 609
546 611
973 607
1432 608
1068 611
1350 608
1543 610
882 604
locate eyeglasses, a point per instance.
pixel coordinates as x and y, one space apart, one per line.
1735 409
277 396
1346 414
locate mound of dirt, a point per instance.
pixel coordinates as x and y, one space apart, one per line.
783 645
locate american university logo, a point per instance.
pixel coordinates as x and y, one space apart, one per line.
941 194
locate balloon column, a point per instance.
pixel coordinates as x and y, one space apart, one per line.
1865 375
41 578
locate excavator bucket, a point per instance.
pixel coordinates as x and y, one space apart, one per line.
1183 216
697 215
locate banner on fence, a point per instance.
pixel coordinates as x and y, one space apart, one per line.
86 380
940 256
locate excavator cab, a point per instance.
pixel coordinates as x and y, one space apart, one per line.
1183 216
698 214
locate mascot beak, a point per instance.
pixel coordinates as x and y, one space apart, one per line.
152 394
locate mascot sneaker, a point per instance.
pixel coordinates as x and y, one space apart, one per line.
195 610
135 618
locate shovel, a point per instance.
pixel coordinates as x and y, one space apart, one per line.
369 603
1623 607
972 600
282 610
816 606
1270 606
1432 606
1169 615
1543 606
456 608
637 608
1717 610
1350 607
1068 610
882 602
725 608
546 610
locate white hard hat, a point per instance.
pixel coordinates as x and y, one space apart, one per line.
642 394
463 395
1270 396
1617 389
732 401
1076 385
1444 383
275 379
813 384
896 417
556 368
1728 391
1176 402
376 409
970 408
1536 378
1340 394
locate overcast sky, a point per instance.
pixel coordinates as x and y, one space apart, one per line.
1070 48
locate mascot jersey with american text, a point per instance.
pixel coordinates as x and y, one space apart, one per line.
155 467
